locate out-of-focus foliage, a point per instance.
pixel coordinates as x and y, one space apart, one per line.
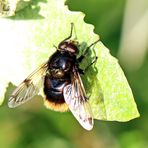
106 16
10 7
36 127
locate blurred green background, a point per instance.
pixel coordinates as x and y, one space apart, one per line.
122 26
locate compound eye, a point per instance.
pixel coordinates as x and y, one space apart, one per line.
62 45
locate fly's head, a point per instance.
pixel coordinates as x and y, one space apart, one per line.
70 46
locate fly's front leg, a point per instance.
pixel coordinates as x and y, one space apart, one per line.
71 33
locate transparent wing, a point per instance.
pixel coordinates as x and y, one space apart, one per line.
28 88
75 97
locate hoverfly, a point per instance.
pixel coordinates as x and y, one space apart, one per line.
60 80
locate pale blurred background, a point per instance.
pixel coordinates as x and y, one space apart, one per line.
123 28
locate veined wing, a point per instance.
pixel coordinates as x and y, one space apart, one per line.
28 88
75 97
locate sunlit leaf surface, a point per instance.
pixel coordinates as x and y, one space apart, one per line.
27 41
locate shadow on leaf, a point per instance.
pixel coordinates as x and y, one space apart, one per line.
92 84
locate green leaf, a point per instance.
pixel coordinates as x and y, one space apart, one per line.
111 96
9 7
27 41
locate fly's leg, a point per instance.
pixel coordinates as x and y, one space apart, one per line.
70 35
94 61
80 59
82 71
71 32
